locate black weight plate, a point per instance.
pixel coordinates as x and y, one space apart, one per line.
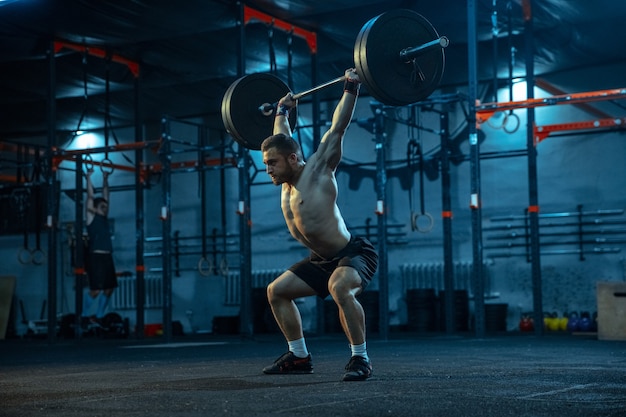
241 113
386 76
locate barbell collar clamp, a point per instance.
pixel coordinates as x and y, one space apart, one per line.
268 109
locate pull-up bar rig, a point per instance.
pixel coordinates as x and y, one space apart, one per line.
61 155
540 133
132 66
310 37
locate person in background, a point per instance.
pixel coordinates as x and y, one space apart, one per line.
340 264
100 266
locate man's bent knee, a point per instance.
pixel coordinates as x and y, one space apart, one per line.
272 291
288 286
344 284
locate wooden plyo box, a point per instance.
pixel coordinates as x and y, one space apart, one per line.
611 298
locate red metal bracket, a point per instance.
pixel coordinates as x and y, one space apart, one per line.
541 133
310 37
485 111
98 52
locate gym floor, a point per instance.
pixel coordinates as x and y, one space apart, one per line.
508 374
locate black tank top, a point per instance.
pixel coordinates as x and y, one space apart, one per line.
99 234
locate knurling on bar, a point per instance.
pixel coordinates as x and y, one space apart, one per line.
309 37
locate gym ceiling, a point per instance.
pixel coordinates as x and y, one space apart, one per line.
187 52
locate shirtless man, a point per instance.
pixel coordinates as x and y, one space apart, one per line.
340 264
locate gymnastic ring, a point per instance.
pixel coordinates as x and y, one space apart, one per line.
224 267
37 256
517 124
205 272
493 125
107 161
88 162
425 228
24 256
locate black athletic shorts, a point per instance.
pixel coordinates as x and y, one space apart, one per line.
359 254
101 271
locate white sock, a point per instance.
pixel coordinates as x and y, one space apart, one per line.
360 350
103 302
87 303
298 348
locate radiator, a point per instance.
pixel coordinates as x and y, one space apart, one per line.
430 275
260 279
124 297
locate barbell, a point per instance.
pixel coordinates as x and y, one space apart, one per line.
398 56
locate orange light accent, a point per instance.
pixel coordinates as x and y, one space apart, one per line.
310 37
485 111
533 209
527 9
70 157
446 214
10 147
140 268
541 133
10 178
79 271
133 66
552 89
158 167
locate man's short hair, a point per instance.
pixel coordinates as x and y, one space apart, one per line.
285 145
98 200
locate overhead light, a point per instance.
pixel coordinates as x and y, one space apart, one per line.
5 2
85 140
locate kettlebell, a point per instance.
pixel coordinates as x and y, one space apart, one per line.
584 323
547 321
553 322
572 323
526 323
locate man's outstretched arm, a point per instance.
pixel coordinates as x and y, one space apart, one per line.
331 145
281 120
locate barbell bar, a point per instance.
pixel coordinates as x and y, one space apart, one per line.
392 72
268 109
406 55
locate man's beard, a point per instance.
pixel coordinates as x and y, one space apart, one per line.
286 176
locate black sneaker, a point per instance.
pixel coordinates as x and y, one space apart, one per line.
290 364
358 369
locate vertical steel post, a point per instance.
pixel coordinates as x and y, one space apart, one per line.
140 289
446 218
245 233
52 213
475 197
79 253
166 217
533 193
381 211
